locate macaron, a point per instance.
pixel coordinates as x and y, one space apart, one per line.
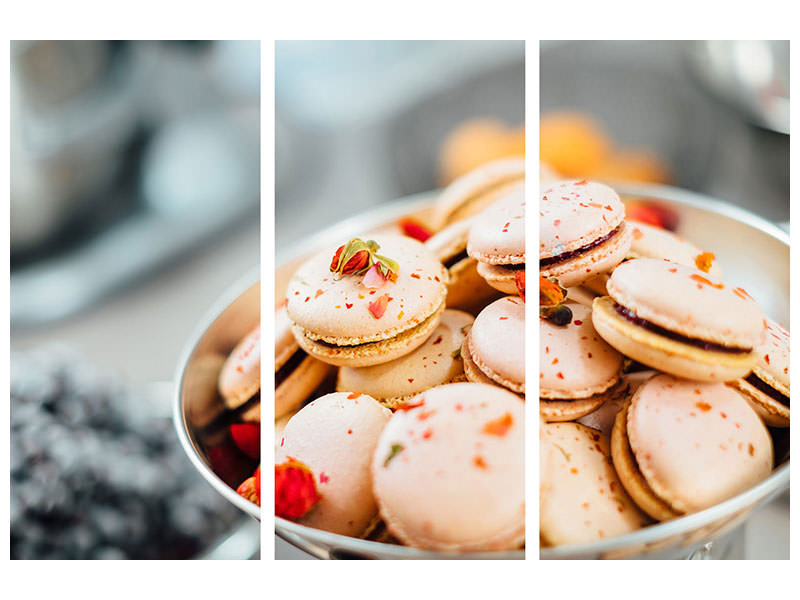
676 319
297 374
497 241
472 193
494 349
578 370
680 446
335 437
239 380
649 241
448 471
349 313
766 388
582 231
466 289
436 362
581 499
547 174
603 418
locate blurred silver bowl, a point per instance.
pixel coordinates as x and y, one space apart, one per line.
197 405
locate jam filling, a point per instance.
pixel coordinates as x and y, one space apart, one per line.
564 256
452 262
770 391
631 316
289 366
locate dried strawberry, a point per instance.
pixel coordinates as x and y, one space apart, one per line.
519 279
257 475
250 489
415 229
247 437
295 489
652 214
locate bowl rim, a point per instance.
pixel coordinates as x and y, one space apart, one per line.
228 297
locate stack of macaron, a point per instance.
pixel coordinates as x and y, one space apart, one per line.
656 394
418 438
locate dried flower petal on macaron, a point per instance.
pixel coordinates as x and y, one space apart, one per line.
358 256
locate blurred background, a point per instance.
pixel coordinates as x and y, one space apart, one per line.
709 116
706 116
359 124
134 206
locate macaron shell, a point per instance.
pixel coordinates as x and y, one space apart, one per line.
497 235
476 190
602 419
436 362
335 436
655 242
285 343
548 174
686 301
573 214
771 412
555 411
337 310
773 358
299 385
696 444
582 500
449 474
574 361
497 342
629 473
471 370
240 377
599 260
663 353
500 278
373 353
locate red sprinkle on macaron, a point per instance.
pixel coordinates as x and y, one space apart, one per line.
499 426
703 281
354 395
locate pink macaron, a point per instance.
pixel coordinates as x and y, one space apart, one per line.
682 446
494 349
578 370
767 387
582 231
448 471
335 437
678 320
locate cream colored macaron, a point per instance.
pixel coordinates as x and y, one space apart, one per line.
466 289
335 437
580 497
681 446
239 380
297 374
436 362
475 191
342 319
497 241
448 472
676 319
767 387
494 350
578 370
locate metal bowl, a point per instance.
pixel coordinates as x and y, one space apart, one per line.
198 412
752 252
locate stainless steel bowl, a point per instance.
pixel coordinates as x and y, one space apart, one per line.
197 405
752 252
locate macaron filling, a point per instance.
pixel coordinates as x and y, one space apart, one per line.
704 344
766 388
565 256
453 261
289 366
